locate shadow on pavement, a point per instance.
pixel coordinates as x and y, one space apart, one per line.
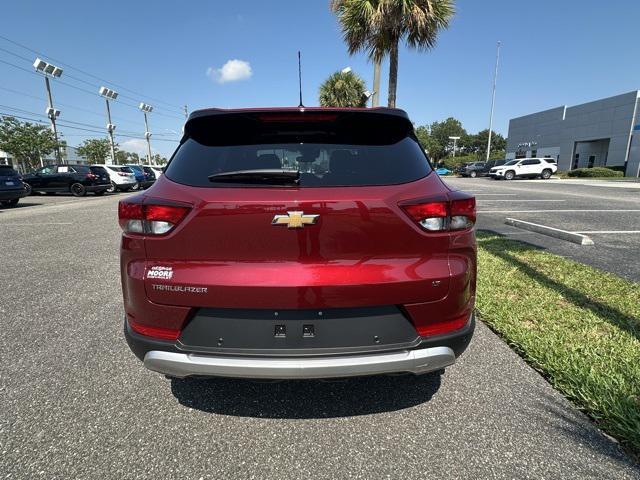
305 399
578 427
612 315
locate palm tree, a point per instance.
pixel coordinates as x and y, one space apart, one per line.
343 89
378 26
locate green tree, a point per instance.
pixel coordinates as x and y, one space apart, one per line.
26 142
428 142
343 90
378 26
158 159
95 150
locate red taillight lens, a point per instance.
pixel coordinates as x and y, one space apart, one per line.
435 216
91 176
150 219
155 332
122 174
442 327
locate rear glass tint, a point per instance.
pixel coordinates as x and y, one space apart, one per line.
98 170
352 150
81 168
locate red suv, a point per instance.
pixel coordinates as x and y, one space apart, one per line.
298 243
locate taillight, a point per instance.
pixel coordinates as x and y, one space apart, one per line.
122 174
438 216
150 219
91 176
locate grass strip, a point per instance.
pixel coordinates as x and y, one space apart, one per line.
577 325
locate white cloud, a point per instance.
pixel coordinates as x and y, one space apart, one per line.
135 145
232 71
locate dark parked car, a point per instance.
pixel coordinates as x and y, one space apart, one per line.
77 179
298 243
11 187
143 178
473 170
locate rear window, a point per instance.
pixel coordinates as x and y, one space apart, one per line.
98 170
346 150
81 168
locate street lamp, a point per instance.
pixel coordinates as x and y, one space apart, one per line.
455 139
49 70
147 134
346 70
109 94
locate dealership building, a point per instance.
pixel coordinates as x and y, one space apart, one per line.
602 133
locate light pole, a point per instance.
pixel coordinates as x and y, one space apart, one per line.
493 101
47 70
110 94
455 139
147 134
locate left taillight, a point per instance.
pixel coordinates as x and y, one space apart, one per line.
150 219
458 213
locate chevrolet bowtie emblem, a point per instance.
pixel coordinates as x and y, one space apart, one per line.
294 219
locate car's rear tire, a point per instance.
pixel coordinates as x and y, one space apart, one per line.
135 187
112 188
28 189
510 175
473 174
11 203
78 190
546 174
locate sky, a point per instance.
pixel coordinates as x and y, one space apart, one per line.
244 54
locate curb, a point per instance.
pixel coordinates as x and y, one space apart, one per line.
550 231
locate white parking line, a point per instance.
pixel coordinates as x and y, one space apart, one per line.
32 224
554 211
611 231
496 194
523 200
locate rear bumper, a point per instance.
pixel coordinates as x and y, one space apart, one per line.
410 361
6 195
431 354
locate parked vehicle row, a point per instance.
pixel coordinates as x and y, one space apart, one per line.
510 169
75 179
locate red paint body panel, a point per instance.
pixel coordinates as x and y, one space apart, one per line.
363 251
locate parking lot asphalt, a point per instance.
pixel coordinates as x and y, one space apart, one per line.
75 403
608 212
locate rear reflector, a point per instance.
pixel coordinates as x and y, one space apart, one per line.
442 327
434 216
155 332
150 219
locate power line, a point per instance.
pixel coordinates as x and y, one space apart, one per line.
87 73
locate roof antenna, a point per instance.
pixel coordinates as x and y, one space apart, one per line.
300 79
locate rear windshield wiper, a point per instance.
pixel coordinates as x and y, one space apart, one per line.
266 176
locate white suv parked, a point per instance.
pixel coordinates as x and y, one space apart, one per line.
525 168
122 178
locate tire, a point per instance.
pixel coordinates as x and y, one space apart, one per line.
112 188
546 174
510 175
473 174
99 193
78 190
135 187
27 187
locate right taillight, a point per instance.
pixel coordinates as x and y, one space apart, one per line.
150 219
437 216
